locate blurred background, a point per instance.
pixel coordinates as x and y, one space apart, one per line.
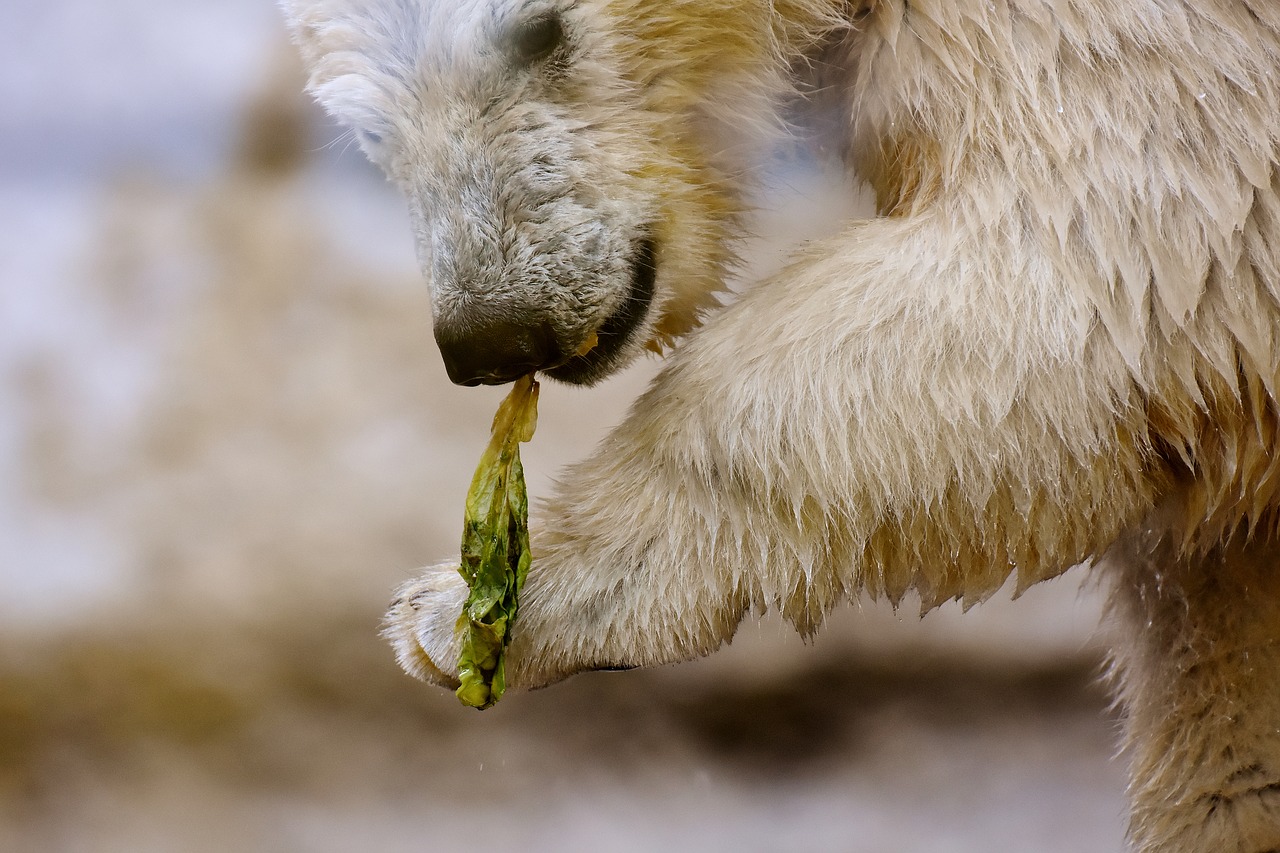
225 435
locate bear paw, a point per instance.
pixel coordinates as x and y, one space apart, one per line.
421 624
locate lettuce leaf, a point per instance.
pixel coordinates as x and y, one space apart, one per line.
495 549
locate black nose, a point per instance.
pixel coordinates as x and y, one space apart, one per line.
494 352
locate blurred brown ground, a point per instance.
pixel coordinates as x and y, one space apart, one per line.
300 452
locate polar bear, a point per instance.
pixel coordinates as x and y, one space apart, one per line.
1056 343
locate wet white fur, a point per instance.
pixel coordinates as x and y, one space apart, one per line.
1058 343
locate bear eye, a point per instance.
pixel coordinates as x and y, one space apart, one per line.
536 39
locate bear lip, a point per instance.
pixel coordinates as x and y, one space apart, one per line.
618 329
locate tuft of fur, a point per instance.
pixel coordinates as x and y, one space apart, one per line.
1057 343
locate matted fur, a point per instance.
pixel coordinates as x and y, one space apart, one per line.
1056 344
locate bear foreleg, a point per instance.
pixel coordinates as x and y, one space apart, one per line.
908 406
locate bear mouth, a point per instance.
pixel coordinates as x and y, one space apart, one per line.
619 328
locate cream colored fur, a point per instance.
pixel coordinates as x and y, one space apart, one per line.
1056 344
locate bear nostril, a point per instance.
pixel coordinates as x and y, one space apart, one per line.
494 353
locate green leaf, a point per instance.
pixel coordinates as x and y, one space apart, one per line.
495 549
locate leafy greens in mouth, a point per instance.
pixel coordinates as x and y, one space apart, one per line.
495 549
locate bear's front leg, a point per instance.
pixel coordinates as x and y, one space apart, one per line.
906 407
623 574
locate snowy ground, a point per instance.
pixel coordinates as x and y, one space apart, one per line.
225 435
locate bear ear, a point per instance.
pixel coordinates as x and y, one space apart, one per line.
304 20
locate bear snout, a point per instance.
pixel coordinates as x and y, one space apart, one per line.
483 351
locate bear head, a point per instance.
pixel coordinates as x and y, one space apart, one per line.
565 162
